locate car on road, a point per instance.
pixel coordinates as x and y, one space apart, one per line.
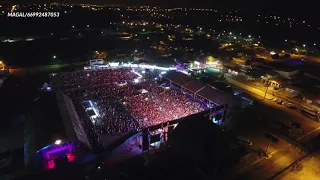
285 129
288 123
292 124
291 127
279 101
289 105
244 140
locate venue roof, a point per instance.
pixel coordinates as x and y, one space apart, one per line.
204 90
44 123
178 78
194 85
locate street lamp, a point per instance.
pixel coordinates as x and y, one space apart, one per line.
265 94
304 45
54 57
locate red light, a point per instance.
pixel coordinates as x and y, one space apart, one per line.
70 157
50 164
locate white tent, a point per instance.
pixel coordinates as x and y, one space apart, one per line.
142 91
45 86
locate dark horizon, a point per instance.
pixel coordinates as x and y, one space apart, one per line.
305 9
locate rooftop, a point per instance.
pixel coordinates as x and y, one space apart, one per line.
204 90
44 123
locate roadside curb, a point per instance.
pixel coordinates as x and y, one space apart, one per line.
286 168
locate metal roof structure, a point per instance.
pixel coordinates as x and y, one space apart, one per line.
44 124
216 96
51 118
194 86
206 91
178 78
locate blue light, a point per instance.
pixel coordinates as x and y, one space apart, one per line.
155 143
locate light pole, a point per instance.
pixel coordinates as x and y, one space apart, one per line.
265 94
54 59
266 151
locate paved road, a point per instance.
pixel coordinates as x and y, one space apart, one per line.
307 169
265 167
249 88
260 90
283 154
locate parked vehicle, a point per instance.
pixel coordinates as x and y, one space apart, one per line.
244 140
293 124
279 101
285 129
290 105
311 113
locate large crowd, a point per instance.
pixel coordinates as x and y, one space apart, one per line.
123 108
84 79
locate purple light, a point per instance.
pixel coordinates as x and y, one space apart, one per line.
57 149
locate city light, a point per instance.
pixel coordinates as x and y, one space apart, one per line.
54 57
1 65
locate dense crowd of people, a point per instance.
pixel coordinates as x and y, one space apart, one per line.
124 108
87 78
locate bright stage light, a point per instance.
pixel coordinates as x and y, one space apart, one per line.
57 142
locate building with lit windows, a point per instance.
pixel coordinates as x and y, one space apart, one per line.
54 135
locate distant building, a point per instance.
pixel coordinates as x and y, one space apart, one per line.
287 73
284 70
96 62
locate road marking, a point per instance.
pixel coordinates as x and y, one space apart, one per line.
309 133
270 156
255 162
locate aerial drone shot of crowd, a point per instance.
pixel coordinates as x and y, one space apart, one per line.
122 103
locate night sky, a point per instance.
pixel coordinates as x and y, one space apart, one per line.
195 3
296 8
